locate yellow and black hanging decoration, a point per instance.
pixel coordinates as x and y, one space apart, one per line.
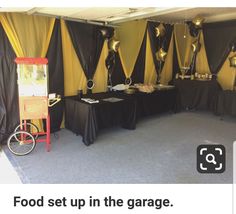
113 46
196 46
161 49
198 21
160 30
161 55
195 27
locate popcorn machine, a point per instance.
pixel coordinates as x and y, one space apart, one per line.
33 104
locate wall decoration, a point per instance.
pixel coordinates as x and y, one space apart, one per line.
160 36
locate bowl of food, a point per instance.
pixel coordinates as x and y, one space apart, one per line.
129 91
145 88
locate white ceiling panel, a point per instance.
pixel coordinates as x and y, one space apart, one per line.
210 14
96 13
116 15
61 12
99 13
15 9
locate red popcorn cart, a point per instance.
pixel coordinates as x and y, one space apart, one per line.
34 101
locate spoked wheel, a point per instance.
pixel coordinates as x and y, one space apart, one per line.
30 127
21 143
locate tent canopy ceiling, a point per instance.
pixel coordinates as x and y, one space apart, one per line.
116 15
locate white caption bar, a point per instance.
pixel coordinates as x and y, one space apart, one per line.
136 199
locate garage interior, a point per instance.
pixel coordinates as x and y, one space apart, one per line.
161 80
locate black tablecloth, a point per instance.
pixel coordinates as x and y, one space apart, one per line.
86 119
156 102
226 104
196 94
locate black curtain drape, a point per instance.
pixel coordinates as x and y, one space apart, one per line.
167 38
176 67
139 68
218 38
158 42
56 75
88 42
118 75
154 41
9 111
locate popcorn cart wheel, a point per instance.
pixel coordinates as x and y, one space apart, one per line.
21 143
33 104
30 127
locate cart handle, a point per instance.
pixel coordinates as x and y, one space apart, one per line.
54 101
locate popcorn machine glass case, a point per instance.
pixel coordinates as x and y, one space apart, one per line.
33 87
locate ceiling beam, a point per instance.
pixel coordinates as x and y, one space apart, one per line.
151 14
220 17
33 10
101 23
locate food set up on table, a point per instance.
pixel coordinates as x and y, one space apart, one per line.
123 106
131 89
145 88
195 76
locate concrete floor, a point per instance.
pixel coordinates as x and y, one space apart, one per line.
162 149
9 176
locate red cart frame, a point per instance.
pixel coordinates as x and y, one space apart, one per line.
33 104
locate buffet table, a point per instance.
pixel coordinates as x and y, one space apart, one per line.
197 94
87 119
157 102
226 104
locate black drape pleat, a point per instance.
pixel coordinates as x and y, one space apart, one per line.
118 75
218 38
9 111
88 42
139 68
192 69
56 75
157 42
176 67
167 37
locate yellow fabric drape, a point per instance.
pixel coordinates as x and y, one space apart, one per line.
226 75
183 41
101 74
150 75
12 36
130 35
166 74
29 36
74 78
201 60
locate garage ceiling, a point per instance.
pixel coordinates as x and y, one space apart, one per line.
116 15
